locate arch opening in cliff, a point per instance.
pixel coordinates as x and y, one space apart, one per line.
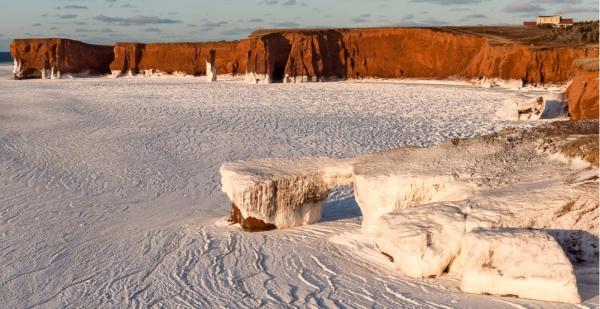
278 74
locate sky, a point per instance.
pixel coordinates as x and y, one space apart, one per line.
109 21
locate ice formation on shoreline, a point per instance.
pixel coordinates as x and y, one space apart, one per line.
521 262
281 193
500 180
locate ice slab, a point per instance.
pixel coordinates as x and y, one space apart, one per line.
521 262
281 193
422 240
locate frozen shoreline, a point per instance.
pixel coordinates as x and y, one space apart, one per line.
112 197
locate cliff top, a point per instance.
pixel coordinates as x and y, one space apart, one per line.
581 34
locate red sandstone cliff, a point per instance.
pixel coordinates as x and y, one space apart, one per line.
405 52
314 55
45 57
583 95
188 58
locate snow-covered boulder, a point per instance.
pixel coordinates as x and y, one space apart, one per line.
422 240
520 262
281 193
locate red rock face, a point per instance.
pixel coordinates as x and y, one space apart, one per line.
188 58
405 52
305 55
59 55
583 96
249 224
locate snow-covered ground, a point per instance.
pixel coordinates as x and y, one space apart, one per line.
110 192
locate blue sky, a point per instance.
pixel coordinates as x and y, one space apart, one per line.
108 21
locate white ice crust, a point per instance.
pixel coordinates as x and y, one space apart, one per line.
285 193
211 72
522 107
419 202
256 78
525 263
17 70
422 240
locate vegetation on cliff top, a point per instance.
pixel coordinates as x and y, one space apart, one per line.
580 33
587 64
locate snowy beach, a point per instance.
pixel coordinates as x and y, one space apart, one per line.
111 192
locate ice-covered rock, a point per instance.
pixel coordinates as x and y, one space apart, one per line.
281 193
257 78
211 66
422 240
522 107
17 69
498 82
397 179
520 262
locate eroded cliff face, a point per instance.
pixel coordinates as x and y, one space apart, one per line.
186 58
583 95
49 58
404 53
316 55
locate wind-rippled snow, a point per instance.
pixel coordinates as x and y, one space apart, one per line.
110 192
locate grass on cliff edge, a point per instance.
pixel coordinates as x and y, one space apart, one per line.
587 64
580 34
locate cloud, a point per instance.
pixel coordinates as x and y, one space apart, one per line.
209 25
289 3
569 9
449 2
256 20
558 1
359 20
237 31
152 29
433 22
36 25
66 16
135 20
75 7
523 7
269 2
286 24
408 17
475 16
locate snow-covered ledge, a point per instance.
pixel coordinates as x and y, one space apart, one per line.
281 193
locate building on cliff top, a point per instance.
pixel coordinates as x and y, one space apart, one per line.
556 21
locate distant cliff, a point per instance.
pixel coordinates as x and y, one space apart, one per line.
404 52
318 55
48 58
187 58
